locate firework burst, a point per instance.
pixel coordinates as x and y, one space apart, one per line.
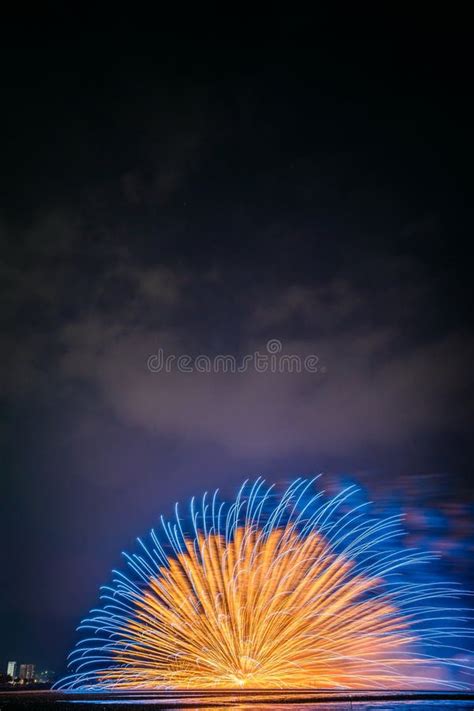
270 591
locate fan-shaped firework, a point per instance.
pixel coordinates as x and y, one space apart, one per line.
296 590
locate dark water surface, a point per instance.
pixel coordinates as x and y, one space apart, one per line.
244 701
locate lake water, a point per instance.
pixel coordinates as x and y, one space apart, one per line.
242 701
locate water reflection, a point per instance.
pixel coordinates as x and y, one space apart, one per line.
290 706
280 701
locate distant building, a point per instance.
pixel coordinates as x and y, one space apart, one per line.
45 676
27 672
12 669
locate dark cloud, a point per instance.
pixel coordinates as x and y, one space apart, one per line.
381 378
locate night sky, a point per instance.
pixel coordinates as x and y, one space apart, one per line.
203 194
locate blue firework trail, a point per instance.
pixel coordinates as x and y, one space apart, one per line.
275 589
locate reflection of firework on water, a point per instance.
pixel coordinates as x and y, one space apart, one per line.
269 591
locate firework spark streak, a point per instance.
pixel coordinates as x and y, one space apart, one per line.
272 591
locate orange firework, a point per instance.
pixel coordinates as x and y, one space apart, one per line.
242 603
